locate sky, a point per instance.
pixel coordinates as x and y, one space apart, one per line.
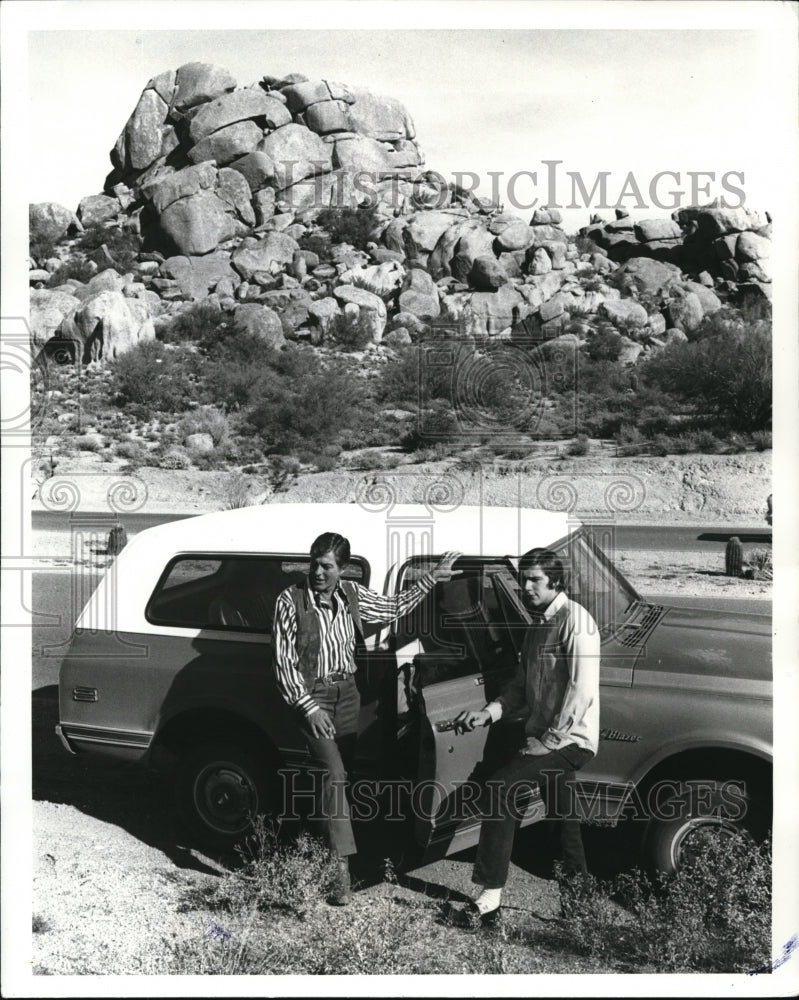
640 101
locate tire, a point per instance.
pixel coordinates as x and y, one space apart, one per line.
220 789
670 843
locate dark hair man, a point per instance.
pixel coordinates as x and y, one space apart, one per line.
317 624
557 682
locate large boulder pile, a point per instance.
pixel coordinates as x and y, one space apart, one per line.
209 160
729 244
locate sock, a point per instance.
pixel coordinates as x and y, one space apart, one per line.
488 900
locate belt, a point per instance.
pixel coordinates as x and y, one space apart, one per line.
335 677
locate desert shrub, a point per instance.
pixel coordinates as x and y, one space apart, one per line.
205 420
89 442
761 440
630 438
175 457
236 492
324 463
236 370
580 446
605 345
282 470
706 441
41 247
202 322
352 333
78 268
134 450
762 561
682 444
727 372
122 245
713 916
317 243
349 225
151 377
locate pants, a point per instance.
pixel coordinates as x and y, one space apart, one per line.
333 759
499 828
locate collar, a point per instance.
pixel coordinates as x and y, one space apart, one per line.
337 596
556 604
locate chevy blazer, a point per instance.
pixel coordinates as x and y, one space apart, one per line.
171 659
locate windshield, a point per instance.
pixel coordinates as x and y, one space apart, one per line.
594 581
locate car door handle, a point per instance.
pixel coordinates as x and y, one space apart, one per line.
446 726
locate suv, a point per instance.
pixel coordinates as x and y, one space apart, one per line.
171 657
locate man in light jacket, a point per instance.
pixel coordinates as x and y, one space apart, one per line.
557 684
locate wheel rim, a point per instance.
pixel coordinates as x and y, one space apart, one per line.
694 834
225 797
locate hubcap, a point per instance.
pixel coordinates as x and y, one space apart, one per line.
695 834
225 797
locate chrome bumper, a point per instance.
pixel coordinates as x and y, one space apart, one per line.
64 741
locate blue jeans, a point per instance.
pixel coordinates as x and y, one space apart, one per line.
499 828
333 760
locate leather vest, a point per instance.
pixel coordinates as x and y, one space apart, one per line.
308 639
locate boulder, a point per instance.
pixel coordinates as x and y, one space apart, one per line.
48 309
379 279
359 152
624 313
228 144
297 153
106 281
382 118
685 310
197 275
200 444
475 241
49 220
540 262
305 93
426 228
649 277
657 229
543 233
758 271
546 217
260 320
656 325
516 236
198 82
410 321
242 105
143 135
512 264
269 254
106 325
398 337
441 261
198 224
675 336
257 168
551 309
710 301
264 205
752 247
419 295
234 190
166 190
486 274
712 222
328 117
491 314
97 208
370 306
324 314
630 350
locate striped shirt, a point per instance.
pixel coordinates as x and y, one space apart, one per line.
336 634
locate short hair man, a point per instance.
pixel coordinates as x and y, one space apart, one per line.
557 683
317 624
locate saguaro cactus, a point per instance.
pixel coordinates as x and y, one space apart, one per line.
733 557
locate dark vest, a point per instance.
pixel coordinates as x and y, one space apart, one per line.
308 635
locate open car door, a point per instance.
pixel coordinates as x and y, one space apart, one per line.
456 652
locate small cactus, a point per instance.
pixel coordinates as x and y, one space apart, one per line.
733 557
117 540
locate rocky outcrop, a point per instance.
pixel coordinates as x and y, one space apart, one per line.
105 326
50 221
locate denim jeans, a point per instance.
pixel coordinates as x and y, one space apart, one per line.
333 759
499 827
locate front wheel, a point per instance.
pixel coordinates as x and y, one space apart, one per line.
678 838
220 789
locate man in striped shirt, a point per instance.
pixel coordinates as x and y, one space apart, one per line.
317 625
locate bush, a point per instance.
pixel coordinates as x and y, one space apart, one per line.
580 446
727 372
713 916
175 457
81 270
605 345
202 322
353 333
317 243
151 377
761 440
706 441
205 420
122 244
355 226
134 450
682 444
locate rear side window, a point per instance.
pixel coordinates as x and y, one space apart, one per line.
230 593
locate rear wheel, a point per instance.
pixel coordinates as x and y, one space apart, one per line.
672 842
220 789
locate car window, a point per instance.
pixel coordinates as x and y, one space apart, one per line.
231 593
460 625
